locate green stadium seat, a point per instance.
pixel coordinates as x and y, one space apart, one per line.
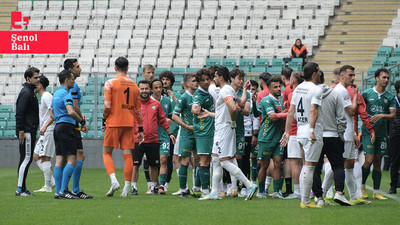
379 61
296 68
385 51
55 88
6 108
92 79
192 70
371 71
393 60
3 124
100 100
1 133
178 70
258 69
261 62
245 69
88 99
90 90
213 61
278 62
5 115
274 70
158 70
229 63
246 63
396 52
87 109
296 62
9 134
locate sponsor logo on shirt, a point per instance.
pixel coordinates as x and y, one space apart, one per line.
153 107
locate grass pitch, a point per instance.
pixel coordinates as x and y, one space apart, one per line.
168 209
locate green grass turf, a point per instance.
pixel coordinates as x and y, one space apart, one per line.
168 209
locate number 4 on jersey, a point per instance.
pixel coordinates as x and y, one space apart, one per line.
300 108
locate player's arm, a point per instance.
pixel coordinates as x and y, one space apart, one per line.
340 118
178 120
72 113
313 120
77 108
23 101
352 109
231 107
205 114
389 117
289 121
246 110
48 123
362 111
196 108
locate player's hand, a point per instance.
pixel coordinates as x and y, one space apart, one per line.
84 128
247 85
189 128
173 139
357 142
376 118
372 137
22 137
254 141
355 89
238 108
272 117
254 97
172 95
42 130
103 126
313 139
170 122
84 117
140 137
204 114
285 138
196 109
279 108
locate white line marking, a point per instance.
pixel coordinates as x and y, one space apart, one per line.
384 194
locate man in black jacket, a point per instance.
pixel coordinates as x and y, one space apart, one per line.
27 119
394 147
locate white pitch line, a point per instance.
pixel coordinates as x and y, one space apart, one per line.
384 194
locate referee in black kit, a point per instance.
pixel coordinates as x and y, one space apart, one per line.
27 119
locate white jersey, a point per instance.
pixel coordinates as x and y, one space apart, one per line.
44 110
306 94
222 116
214 91
345 96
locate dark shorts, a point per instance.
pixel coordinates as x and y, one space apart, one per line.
78 138
152 151
65 139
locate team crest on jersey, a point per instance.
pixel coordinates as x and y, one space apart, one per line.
153 107
166 106
385 100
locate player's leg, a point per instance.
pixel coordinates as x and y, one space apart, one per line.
255 165
67 172
186 147
380 151
204 150
58 172
294 155
26 154
349 156
368 148
164 158
276 175
170 166
36 157
111 141
153 159
316 186
137 156
395 164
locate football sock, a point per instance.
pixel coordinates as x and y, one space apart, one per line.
146 171
183 177
47 174
58 171
113 178
277 185
307 181
351 183
76 176
296 188
233 178
288 184
197 181
163 179
39 164
282 179
261 186
204 174
217 175
254 171
328 178
134 184
268 180
108 163
376 178
365 174
358 175
67 173
128 167
126 187
236 172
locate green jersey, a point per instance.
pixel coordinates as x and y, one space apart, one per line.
270 131
174 127
184 108
378 104
167 107
239 116
203 127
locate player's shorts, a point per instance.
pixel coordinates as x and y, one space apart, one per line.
187 146
152 151
378 148
311 152
268 149
350 152
204 145
254 150
78 137
164 147
293 148
224 142
176 146
119 137
240 144
65 139
45 146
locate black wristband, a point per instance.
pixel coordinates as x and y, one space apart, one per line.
83 122
255 135
140 129
104 122
170 134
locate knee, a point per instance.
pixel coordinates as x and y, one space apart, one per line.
81 155
163 161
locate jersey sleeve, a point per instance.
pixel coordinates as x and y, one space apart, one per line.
392 103
197 99
344 94
48 100
268 106
107 94
317 96
248 97
67 100
75 91
169 113
179 104
162 120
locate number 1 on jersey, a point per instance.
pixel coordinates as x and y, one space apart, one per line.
127 95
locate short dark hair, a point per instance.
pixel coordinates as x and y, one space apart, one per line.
378 72
275 78
254 83
397 86
309 69
286 72
148 67
224 72
236 72
344 68
212 69
144 82
201 72
121 63
30 71
156 80
63 75
265 76
298 76
336 71
186 76
167 74
322 78
44 81
69 63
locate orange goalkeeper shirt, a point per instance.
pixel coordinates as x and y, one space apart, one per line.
121 102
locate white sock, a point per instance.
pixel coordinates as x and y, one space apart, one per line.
235 171
376 191
307 181
358 175
113 178
328 180
46 166
233 178
268 181
193 179
300 180
134 184
351 183
39 164
296 188
153 185
177 172
217 175
127 186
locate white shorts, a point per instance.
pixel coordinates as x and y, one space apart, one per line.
293 148
224 142
45 146
311 152
176 146
350 152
